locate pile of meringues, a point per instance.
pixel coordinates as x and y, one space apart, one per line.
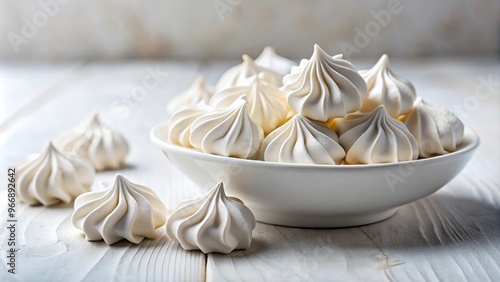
322 111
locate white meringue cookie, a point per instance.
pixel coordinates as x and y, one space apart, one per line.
324 87
124 210
239 74
386 88
53 177
302 141
375 137
437 130
270 60
266 103
103 147
180 122
198 92
212 223
227 132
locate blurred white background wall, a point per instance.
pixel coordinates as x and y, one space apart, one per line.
207 29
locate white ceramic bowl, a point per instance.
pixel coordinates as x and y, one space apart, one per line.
304 195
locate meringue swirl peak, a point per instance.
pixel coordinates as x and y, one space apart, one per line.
227 132
198 92
102 146
386 88
302 141
271 60
267 105
324 87
124 210
53 177
375 137
180 122
239 75
212 223
437 130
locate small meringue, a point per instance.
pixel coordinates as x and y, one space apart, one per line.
324 87
437 130
103 147
302 141
266 103
375 137
198 92
227 132
180 122
270 60
53 177
124 210
386 88
239 74
212 223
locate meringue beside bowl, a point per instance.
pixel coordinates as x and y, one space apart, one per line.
52 177
124 210
312 195
102 146
212 223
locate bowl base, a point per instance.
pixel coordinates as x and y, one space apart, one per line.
323 222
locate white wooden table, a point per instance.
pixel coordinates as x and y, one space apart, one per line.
452 235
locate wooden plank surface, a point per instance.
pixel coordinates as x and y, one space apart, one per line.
51 249
453 235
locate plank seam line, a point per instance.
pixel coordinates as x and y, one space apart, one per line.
205 269
386 271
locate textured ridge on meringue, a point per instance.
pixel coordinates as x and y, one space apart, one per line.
270 60
227 132
302 141
386 88
239 74
198 92
437 130
124 210
103 147
375 137
324 87
212 223
266 103
180 122
53 177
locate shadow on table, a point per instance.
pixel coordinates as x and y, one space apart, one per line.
438 220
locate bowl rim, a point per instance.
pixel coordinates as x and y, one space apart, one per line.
465 147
